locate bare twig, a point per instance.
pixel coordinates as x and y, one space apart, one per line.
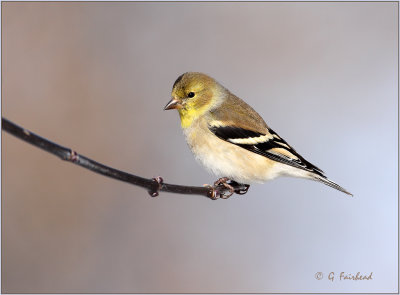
153 186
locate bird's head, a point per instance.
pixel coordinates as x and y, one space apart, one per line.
193 94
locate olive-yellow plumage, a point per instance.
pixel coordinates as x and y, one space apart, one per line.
230 138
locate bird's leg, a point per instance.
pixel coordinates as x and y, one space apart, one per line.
158 182
223 181
218 190
239 188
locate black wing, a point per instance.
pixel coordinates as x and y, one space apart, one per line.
269 145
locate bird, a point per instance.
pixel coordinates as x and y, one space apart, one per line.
231 140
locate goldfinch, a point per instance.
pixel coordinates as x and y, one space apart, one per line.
231 139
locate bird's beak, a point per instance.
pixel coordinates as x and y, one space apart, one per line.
173 104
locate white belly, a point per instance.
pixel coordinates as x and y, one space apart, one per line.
225 159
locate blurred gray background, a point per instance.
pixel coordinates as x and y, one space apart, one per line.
96 76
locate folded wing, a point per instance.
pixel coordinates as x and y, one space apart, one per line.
269 145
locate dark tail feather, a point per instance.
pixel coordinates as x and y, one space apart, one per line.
330 183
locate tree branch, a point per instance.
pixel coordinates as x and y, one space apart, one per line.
153 186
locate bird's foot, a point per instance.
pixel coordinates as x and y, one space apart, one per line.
224 188
158 182
241 189
224 182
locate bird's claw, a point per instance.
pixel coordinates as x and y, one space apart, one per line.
242 190
158 182
223 188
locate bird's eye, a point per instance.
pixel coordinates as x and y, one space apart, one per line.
191 94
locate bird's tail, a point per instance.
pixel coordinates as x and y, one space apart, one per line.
330 183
